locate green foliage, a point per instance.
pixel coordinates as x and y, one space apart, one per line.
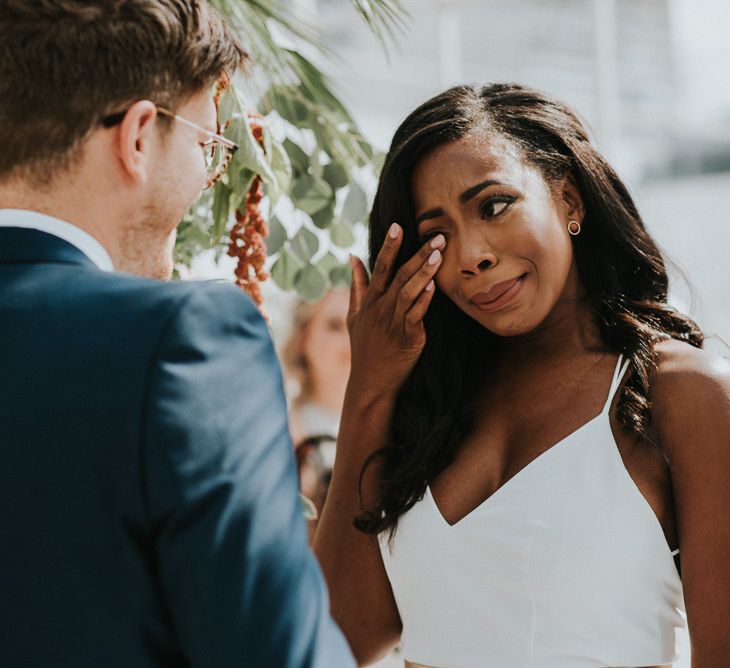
312 154
311 194
285 269
385 19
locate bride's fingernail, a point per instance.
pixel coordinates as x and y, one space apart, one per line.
394 231
430 285
438 240
435 257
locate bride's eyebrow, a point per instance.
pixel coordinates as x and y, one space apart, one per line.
427 215
468 194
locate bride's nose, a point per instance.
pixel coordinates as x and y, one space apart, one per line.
475 257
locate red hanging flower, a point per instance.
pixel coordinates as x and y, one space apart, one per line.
248 234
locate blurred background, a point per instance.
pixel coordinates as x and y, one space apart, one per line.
649 77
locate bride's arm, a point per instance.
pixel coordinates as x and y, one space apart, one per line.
691 413
387 337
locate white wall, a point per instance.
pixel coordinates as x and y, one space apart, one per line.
690 218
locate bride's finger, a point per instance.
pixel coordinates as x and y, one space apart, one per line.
413 321
430 251
386 258
358 287
409 293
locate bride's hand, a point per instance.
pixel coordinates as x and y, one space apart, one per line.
385 318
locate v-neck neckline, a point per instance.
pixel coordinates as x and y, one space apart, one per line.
616 378
513 480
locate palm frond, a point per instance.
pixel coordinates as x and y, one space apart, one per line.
385 18
257 21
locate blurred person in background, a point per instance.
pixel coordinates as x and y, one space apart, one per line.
534 444
316 360
148 496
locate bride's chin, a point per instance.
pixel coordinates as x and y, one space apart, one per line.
508 324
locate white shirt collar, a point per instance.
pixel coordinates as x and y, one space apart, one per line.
59 228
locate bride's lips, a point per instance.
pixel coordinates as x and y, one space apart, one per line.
499 295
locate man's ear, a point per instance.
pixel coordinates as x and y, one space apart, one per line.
134 140
571 199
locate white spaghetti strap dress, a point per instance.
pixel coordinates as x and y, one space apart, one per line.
564 566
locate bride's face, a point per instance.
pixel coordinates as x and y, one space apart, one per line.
508 259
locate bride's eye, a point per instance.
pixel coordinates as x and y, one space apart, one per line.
493 206
427 236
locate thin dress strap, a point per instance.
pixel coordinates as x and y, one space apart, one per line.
621 366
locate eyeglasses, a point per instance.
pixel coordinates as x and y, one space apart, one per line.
218 151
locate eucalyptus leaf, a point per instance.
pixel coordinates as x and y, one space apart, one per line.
239 182
192 236
289 102
221 210
280 165
311 194
298 158
324 217
250 156
228 105
355 208
342 235
328 262
315 166
304 244
284 270
336 175
341 276
277 236
311 282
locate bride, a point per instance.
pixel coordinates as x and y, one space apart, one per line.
533 446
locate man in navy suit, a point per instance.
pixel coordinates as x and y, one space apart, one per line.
148 500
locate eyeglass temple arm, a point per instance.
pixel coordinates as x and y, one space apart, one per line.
219 138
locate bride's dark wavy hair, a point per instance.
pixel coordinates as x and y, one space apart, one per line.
620 267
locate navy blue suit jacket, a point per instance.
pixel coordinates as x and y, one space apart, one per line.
148 497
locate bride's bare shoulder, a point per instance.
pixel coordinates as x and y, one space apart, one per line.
679 364
690 395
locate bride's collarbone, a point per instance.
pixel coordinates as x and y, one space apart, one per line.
510 428
509 436
486 461
481 471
